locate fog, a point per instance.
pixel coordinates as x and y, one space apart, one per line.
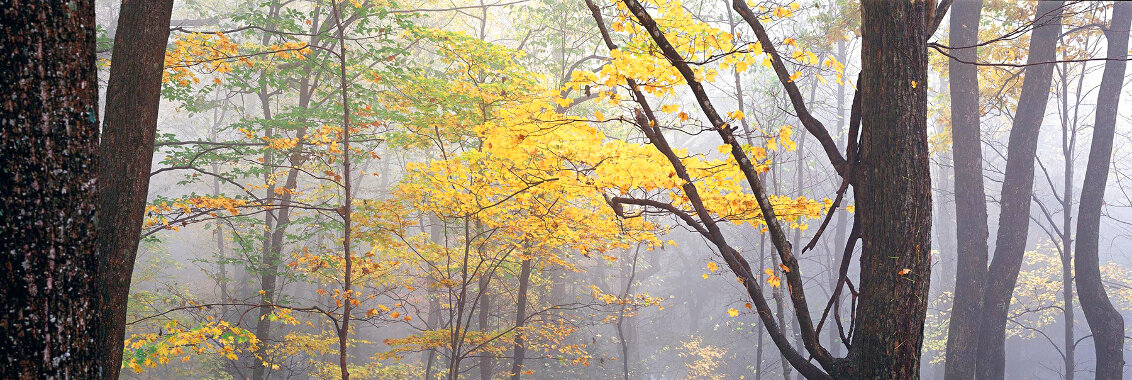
612 293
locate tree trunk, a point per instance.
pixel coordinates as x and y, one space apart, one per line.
776 292
759 338
133 97
971 228
893 193
278 222
1017 187
437 236
520 319
263 324
484 325
272 258
1105 322
1068 154
48 190
269 274
222 256
347 207
266 271
621 317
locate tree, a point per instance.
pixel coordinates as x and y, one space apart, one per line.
133 96
1078 46
970 198
48 190
892 184
1105 321
1017 189
284 63
894 160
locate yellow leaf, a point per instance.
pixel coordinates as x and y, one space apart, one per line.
733 312
711 266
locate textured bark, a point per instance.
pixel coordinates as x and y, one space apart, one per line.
1105 322
894 191
971 228
133 97
896 205
48 190
1017 187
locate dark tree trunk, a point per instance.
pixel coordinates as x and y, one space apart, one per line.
1105 322
48 190
1017 187
133 97
520 319
893 194
971 228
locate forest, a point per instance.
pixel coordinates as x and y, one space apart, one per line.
565 189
